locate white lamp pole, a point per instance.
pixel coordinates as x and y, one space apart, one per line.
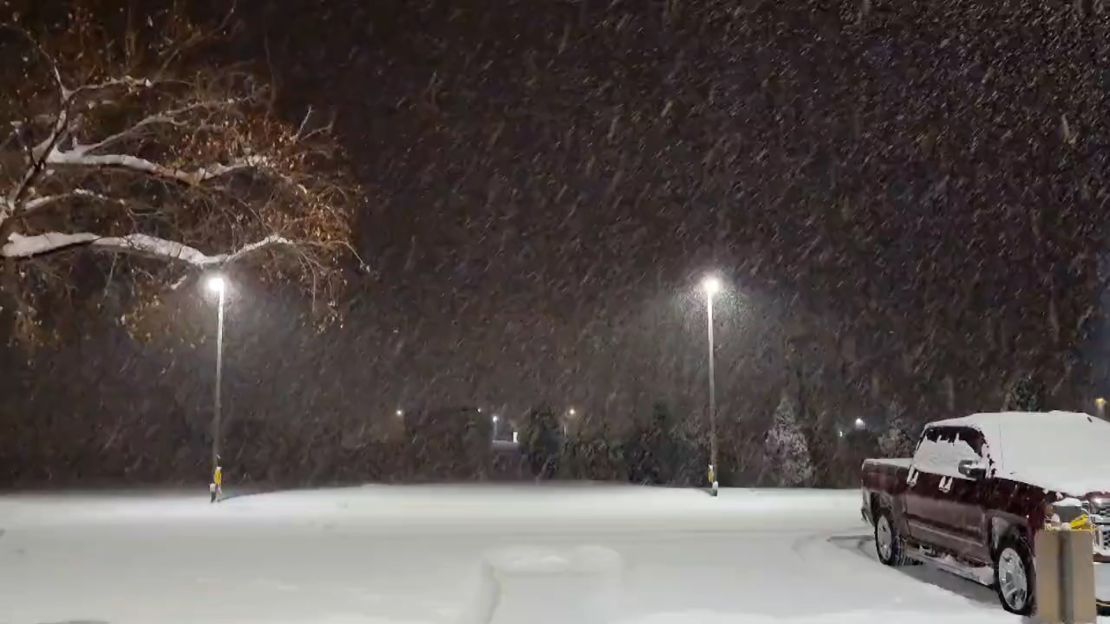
712 286
217 285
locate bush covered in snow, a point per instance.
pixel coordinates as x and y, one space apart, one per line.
899 437
787 459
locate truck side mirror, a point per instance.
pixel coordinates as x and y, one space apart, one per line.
971 469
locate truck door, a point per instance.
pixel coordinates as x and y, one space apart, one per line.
963 504
922 488
938 497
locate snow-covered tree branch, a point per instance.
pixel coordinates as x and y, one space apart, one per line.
149 152
19 246
80 156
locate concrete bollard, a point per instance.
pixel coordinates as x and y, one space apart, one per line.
1065 577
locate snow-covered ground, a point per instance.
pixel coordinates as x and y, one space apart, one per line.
462 555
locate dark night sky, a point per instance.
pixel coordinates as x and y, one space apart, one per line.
547 179
923 174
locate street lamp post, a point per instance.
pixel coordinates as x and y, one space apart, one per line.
1100 403
712 286
217 285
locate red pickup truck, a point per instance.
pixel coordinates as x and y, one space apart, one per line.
978 488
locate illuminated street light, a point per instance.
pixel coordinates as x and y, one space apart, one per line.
399 413
217 284
711 284
860 424
571 415
1100 403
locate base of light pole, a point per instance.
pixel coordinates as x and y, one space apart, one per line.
713 492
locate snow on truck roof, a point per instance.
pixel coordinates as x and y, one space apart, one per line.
991 420
1058 451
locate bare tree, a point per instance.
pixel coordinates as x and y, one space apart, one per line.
120 135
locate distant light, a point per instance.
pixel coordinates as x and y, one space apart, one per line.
496 418
400 413
1100 402
479 410
216 284
860 424
711 285
516 438
840 433
571 411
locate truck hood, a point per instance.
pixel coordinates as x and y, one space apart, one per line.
1061 452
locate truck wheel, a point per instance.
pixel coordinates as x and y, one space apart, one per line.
1014 575
888 544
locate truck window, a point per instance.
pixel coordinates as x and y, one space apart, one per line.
929 434
972 438
943 448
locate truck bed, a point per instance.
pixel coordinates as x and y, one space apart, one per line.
894 462
883 480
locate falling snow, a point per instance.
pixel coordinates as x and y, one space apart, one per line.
462 241
906 203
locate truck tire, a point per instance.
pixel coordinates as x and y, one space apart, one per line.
1014 575
888 543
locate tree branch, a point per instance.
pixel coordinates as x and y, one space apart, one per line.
39 156
121 81
79 157
40 153
165 117
20 246
63 93
39 202
197 38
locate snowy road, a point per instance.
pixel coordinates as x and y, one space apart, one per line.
462 555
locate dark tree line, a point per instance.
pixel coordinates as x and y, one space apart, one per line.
146 445
656 450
